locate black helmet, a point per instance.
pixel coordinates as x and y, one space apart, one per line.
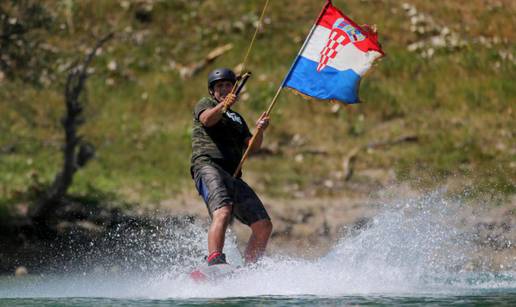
220 74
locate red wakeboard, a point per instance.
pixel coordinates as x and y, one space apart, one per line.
212 272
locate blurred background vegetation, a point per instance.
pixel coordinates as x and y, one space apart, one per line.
447 83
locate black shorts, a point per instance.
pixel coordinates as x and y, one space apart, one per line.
218 189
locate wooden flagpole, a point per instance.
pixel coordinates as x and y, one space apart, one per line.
273 102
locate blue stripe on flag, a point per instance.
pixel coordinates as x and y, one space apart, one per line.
327 84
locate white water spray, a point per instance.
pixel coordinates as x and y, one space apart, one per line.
415 246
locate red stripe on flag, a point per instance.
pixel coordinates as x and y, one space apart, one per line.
330 14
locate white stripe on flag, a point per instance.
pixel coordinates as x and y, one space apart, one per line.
348 57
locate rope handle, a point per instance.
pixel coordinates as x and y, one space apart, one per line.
239 85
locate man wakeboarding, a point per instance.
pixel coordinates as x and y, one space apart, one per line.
219 138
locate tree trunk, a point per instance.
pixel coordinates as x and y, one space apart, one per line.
73 159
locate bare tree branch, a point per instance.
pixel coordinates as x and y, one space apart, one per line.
72 159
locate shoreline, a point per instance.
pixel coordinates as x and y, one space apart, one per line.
303 228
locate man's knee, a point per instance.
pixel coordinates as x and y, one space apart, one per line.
262 228
267 226
222 214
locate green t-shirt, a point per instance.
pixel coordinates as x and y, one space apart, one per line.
222 144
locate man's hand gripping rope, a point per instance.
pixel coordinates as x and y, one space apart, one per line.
229 101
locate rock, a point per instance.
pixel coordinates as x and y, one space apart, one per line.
112 65
299 158
90 227
297 140
125 4
328 183
63 227
21 271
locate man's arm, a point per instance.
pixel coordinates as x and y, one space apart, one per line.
210 117
261 125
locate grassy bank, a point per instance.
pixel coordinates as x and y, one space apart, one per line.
457 98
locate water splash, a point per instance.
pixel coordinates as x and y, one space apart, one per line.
414 246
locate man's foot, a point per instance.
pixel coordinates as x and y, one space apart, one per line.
216 257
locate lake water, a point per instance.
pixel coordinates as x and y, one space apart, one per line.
488 298
414 252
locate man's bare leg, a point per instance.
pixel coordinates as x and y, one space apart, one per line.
217 231
261 232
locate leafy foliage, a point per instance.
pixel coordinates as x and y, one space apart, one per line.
24 25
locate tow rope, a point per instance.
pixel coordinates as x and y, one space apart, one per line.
237 87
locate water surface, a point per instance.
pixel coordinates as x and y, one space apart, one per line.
414 252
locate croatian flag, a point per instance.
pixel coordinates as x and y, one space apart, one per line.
334 57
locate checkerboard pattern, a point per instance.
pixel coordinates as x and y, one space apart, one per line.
336 40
